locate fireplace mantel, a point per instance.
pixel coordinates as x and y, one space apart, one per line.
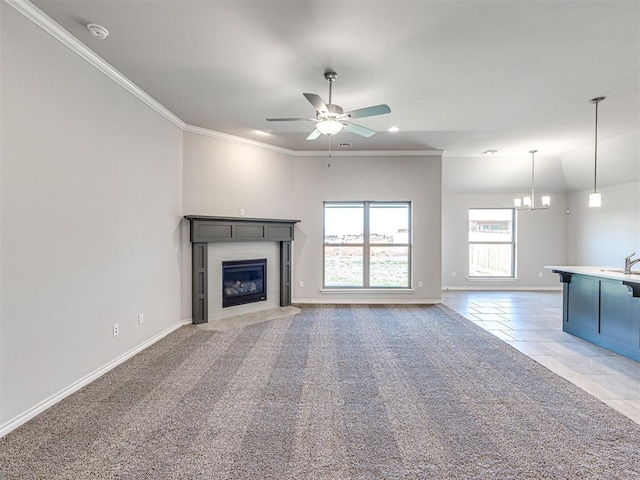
205 230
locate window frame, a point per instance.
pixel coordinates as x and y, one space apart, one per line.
367 244
512 243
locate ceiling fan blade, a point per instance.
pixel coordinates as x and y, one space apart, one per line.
316 101
359 129
313 135
367 112
290 119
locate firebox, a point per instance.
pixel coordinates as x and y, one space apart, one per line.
244 281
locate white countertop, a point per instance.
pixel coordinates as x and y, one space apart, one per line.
611 273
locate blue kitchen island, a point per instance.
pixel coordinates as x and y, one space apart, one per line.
602 305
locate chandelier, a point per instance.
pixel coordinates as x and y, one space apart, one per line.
529 203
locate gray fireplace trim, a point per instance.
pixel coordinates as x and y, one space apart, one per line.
204 230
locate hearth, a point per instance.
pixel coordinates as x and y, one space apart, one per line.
244 281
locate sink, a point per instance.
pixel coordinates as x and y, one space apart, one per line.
619 270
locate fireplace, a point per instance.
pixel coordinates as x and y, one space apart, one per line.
213 238
244 281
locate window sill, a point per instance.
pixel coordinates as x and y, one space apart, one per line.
367 290
492 279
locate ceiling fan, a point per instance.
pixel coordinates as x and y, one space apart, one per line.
330 119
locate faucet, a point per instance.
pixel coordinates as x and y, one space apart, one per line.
628 263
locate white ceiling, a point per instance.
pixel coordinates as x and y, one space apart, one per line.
462 76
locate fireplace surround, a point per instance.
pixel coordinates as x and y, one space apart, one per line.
206 229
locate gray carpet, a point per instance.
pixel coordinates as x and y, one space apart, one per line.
367 392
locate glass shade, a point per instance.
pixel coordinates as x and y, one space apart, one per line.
344 223
517 202
491 260
389 223
343 266
490 225
546 200
527 202
389 266
329 127
595 200
491 242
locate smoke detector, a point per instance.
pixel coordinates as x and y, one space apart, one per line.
98 31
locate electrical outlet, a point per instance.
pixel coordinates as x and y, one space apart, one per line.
420 284
453 274
116 329
242 212
140 318
539 274
301 284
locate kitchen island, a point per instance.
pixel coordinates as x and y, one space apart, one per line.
602 305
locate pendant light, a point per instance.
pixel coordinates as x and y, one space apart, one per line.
595 199
529 203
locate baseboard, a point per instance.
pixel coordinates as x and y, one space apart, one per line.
502 288
52 400
365 301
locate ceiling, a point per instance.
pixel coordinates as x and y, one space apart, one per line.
461 76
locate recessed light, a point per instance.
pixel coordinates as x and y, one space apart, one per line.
98 31
393 129
490 152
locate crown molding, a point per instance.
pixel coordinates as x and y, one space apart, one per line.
309 153
45 22
371 153
235 139
37 16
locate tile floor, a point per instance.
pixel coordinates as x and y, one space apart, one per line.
532 323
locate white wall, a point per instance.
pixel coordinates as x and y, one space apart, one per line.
604 236
91 208
494 181
415 178
617 163
541 240
2 9
491 174
221 177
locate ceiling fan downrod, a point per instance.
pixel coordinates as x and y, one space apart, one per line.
330 77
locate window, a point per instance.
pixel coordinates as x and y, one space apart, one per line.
367 244
491 242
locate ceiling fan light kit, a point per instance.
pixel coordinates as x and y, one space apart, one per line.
331 118
329 127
